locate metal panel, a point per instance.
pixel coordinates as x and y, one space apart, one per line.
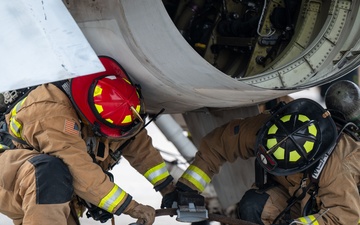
40 42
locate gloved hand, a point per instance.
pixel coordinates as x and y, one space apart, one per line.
178 196
144 213
168 199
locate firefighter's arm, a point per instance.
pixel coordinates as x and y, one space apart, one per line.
224 144
143 156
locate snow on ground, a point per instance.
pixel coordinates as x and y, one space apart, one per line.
141 190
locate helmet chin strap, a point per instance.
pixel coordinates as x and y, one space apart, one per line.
116 155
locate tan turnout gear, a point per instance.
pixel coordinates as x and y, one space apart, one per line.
47 121
338 193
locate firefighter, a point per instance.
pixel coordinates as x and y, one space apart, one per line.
67 136
310 158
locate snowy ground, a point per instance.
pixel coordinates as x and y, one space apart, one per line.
141 190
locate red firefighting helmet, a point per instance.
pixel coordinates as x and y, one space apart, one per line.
108 101
295 137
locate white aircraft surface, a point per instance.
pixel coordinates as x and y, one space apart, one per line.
205 62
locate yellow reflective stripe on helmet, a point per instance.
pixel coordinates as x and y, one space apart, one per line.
273 129
138 108
197 177
303 118
271 142
312 130
15 126
97 91
308 145
294 156
279 153
127 81
111 200
99 108
285 118
157 173
127 119
309 220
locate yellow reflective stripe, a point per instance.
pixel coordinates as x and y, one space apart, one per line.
279 153
308 146
285 118
303 118
3 147
127 119
294 156
157 173
197 177
15 126
273 129
126 81
309 220
99 108
312 130
111 200
97 91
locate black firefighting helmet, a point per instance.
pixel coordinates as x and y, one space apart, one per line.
295 137
343 99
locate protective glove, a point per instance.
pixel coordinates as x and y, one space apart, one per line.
97 213
144 213
178 194
168 199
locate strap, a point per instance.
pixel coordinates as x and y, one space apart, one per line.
319 168
295 198
118 152
7 135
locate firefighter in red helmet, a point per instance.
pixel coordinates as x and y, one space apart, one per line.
64 139
310 160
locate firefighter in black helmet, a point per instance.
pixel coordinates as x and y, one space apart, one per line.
312 164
